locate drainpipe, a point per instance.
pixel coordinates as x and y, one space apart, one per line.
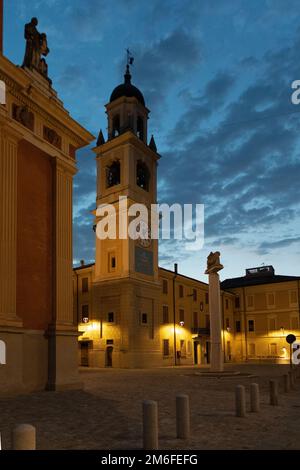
174 311
77 299
223 332
245 324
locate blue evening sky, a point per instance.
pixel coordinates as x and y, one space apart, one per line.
216 75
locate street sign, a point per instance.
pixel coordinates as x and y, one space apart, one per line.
290 339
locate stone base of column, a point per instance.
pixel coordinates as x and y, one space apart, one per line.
11 373
63 360
216 355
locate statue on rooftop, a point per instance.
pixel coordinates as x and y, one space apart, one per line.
36 47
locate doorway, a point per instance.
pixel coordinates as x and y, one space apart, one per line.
207 352
84 353
197 352
108 357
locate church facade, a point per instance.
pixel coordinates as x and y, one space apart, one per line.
38 141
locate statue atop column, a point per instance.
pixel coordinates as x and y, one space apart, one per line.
36 47
213 263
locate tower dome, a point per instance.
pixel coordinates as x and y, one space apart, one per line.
127 89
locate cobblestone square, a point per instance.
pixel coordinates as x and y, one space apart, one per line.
107 414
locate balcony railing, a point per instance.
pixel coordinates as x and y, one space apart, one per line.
201 331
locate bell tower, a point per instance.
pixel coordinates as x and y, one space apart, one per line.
126 269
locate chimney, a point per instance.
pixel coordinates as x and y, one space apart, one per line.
175 268
82 262
1 26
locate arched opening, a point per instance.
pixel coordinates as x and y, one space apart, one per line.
142 175
140 128
2 352
113 174
108 356
116 126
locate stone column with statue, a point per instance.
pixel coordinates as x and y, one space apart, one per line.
216 353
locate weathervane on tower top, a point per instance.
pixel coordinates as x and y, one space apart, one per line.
130 57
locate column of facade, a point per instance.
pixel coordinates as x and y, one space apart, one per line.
62 333
63 252
8 223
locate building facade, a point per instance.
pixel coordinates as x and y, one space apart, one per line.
38 141
266 311
178 333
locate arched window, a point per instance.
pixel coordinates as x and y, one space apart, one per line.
140 128
142 175
2 352
116 126
113 176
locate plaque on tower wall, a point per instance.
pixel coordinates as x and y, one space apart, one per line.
143 261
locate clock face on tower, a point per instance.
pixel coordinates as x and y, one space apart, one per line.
145 235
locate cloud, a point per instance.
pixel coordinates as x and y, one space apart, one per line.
164 63
268 246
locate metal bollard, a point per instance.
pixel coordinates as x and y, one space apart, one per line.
150 425
273 392
254 398
240 401
182 416
286 383
24 437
